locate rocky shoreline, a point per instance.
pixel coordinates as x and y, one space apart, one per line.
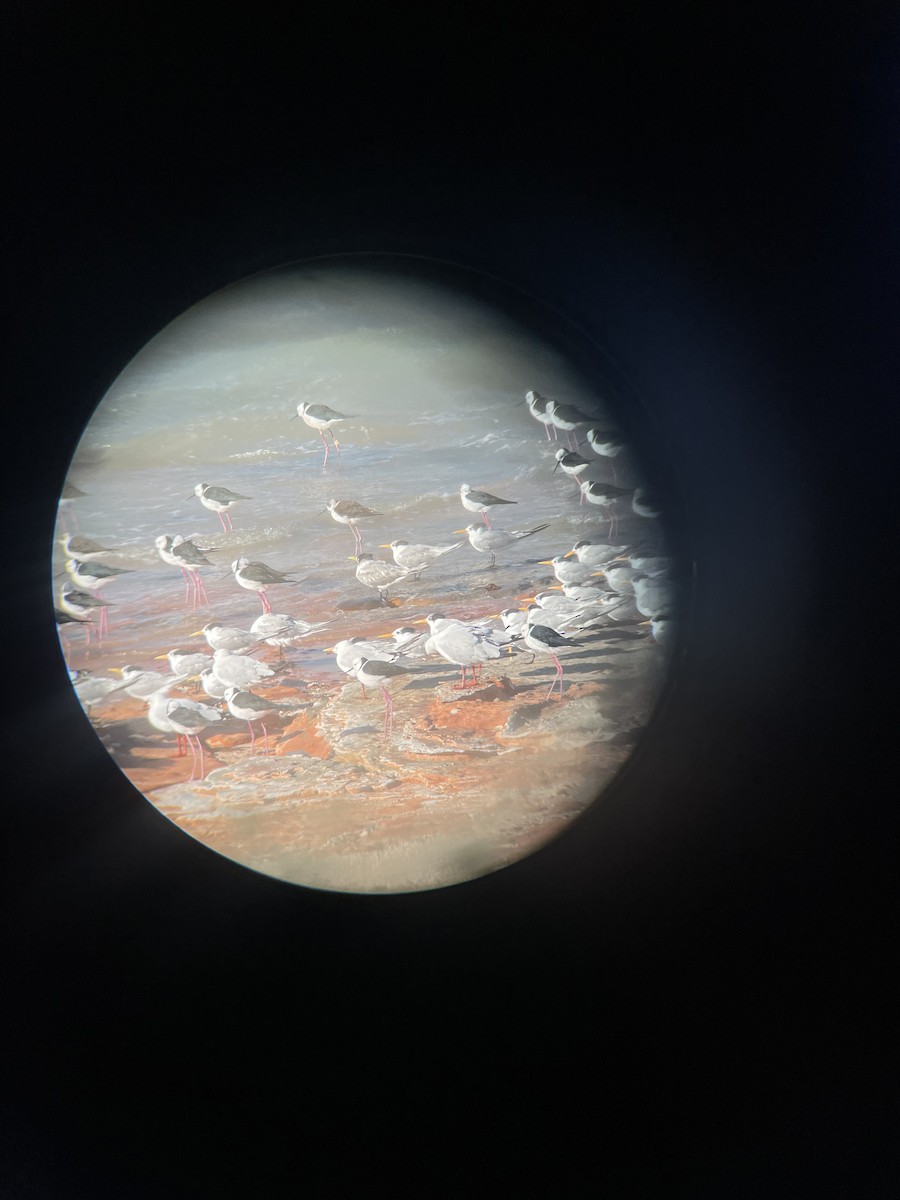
468 780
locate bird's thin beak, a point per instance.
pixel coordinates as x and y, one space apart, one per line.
598 572
295 416
460 531
421 621
555 587
158 656
118 670
526 599
329 650
569 555
323 510
554 469
352 557
199 633
384 635
385 546
545 562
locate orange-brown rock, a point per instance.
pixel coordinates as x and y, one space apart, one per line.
303 737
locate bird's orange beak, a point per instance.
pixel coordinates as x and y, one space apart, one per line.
385 546
421 621
160 656
198 633
569 555
545 562
460 531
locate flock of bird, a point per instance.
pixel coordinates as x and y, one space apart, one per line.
598 584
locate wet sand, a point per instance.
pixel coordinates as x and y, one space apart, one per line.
467 781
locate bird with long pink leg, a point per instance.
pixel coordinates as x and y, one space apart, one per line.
92 577
374 672
541 639
188 557
256 577
479 502
247 706
81 607
189 718
321 418
219 500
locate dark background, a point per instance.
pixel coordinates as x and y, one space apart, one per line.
689 994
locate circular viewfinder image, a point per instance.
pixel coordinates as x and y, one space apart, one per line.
359 581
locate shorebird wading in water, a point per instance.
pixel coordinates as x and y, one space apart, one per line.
321 418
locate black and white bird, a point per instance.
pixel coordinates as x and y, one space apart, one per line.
84 549
645 504
567 418
351 512
247 706
478 501
489 541
219 500
321 418
346 653
375 672
541 639
93 577
537 406
256 577
188 557
415 557
374 573
573 465
190 718
81 606
605 496
606 444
